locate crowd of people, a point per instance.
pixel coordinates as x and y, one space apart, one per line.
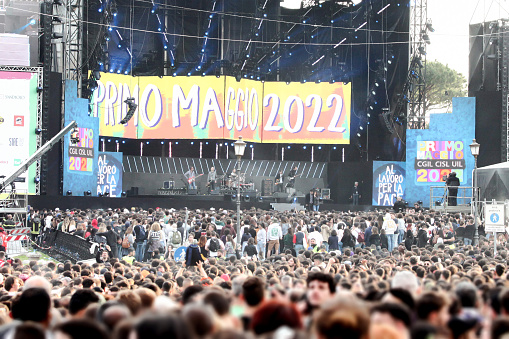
412 274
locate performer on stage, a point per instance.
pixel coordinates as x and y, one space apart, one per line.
191 178
356 194
280 178
211 178
291 177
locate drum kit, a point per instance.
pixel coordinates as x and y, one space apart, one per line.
229 182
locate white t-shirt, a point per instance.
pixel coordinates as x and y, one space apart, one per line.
274 232
317 236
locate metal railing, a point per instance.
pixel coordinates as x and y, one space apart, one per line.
464 201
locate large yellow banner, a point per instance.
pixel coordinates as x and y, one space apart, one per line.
222 108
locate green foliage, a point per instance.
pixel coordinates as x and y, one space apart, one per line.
442 84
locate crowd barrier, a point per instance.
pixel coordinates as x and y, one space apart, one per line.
18 241
71 247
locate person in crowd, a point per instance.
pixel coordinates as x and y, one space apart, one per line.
449 290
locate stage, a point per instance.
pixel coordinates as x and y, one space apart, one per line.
204 202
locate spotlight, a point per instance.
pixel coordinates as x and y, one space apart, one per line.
425 37
359 135
57 36
87 193
429 26
106 194
260 199
69 193
32 22
247 198
100 195
422 50
38 131
123 194
37 179
234 197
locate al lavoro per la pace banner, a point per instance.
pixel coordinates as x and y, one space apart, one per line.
222 108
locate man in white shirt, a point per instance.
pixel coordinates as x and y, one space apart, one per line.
317 236
275 233
214 246
261 241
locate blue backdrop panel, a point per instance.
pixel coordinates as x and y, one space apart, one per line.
80 160
444 147
389 180
109 174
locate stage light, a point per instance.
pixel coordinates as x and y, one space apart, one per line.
126 72
106 194
69 193
38 131
165 47
100 10
189 74
288 147
425 37
176 143
192 142
304 147
373 92
368 115
247 198
334 147
234 197
109 140
100 195
359 135
110 29
260 199
57 36
429 26
361 128
87 193
377 84
37 179
123 194
159 29
319 147
174 74
123 141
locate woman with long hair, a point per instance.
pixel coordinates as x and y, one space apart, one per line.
374 239
154 239
348 240
201 243
130 239
229 247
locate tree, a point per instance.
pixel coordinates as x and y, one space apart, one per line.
442 84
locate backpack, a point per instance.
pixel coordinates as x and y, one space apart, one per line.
360 237
125 242
176 238
214 245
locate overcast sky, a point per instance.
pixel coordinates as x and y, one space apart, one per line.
451 19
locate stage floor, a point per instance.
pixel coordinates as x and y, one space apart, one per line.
178 202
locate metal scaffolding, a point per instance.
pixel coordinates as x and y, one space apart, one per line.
419 26
73 43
